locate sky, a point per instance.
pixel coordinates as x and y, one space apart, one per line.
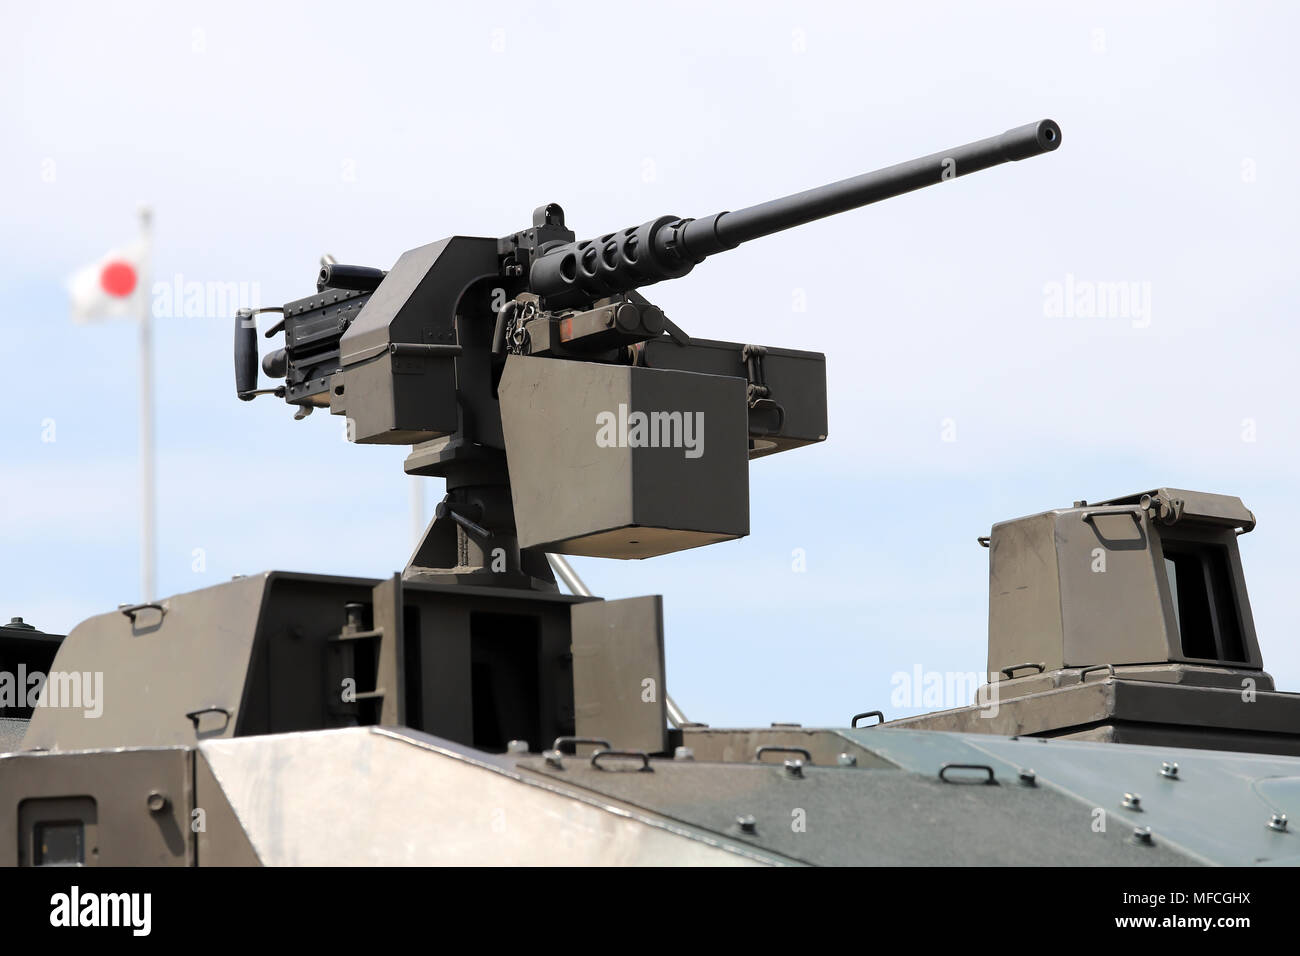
960 392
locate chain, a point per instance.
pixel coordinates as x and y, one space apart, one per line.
517 340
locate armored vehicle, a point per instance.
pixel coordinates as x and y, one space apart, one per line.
467 710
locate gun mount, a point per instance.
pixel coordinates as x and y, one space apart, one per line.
637 444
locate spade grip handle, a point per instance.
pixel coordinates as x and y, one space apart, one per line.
245 355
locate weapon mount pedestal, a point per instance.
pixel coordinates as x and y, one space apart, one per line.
472 538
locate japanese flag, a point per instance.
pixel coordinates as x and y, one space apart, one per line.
111 287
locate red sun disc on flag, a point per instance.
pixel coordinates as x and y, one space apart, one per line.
118 278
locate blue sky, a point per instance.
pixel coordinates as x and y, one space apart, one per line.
264 135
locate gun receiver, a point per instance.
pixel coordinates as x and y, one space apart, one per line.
637 443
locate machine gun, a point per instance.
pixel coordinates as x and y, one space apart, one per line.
636 443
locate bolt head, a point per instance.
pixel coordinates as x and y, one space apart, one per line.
1277 822
1142 835
847 760
683 753
1169 769
747 823
794 767
517 747
1132 801
554 759
1028 778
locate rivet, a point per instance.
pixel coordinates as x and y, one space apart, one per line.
157 802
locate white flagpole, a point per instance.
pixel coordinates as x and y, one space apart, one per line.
417 510
146 413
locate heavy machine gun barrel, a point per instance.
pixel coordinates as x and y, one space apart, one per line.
669 247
